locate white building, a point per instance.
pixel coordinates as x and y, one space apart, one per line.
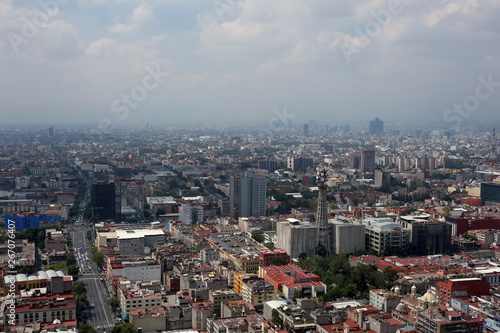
191 213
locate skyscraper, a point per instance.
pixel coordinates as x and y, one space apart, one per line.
305 127
103 199
299 163
363 159
247 196
376 126
321 214
490 193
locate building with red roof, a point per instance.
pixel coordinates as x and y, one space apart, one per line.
291 279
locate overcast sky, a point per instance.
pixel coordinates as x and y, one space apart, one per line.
117 62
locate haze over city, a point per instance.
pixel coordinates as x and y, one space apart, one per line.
228 61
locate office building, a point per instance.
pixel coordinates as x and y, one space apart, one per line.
462 287
103 200
190 212
299 163
295 237
247 196
428 237
376 126
490 193
383 233
348 237
269 165
363 159
129 200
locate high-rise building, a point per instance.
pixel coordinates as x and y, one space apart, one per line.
376 126
51 131
490 193
103 199
247 196
305 128
428 237
363 159
129 198
191 212
299 163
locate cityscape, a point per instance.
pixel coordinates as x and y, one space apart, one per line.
249 166
305 228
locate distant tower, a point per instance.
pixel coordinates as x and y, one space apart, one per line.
305 128
51 131
321 214
376 126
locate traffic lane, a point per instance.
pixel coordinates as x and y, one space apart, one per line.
97 295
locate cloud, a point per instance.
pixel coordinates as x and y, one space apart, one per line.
240 59
141 15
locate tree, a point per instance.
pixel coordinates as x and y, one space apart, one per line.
320 250
258 237
78 288
98 258
73 270
86 328
113 303
58 266
93 249
124 328
71 260
83 302
161 211
277 261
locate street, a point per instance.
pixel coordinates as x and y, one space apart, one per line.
100 315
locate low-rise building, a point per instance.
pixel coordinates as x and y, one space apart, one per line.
292 280
134 299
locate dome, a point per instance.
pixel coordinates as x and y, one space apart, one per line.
413 289
42 275
51 273
21 277
397 290
60 273
428 297
32 277
401 307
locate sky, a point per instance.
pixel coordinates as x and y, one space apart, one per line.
113 63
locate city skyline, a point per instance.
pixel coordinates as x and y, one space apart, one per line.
116 63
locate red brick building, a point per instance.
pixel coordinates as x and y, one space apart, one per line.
461 288
268 255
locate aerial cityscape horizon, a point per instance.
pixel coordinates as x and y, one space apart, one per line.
233 166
